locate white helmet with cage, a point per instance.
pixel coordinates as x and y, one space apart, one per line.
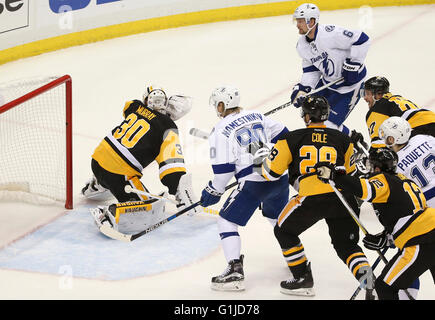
155 98
397 128
228 95
307 11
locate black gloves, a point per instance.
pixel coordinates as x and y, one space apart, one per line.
377 241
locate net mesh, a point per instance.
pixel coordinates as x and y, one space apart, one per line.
33 143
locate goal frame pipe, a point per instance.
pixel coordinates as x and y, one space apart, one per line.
68 123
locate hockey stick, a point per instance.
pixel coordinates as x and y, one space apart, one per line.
375 264
287 104
363 229
362 148
354 216
114 234
204 135
130 189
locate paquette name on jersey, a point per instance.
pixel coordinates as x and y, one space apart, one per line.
414 155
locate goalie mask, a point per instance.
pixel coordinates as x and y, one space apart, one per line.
395 130
175 107
228 95
155 98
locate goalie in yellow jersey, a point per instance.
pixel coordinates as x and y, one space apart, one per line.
148 133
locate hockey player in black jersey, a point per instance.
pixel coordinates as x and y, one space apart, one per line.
383 104
298 152
147 133
401 208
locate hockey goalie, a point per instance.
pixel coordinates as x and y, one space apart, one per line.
147 133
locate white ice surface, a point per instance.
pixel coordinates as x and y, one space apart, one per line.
259 57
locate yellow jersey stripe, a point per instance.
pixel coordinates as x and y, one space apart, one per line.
110 160
293 250
297 262
405 260
424 223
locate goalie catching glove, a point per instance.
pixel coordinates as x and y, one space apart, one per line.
185 196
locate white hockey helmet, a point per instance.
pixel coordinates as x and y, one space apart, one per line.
228 95
307 11
395 127
155 98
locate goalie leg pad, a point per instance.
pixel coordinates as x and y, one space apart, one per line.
136 216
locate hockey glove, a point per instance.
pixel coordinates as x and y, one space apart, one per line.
350 72
377 241
209 195
298 94
325 171
355 138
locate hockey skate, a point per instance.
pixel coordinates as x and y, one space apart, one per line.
94 191
367 280
232 278
301 286
100 216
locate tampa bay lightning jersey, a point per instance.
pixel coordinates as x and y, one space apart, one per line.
233 143
323 57
417 162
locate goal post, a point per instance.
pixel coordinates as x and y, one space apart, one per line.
36 140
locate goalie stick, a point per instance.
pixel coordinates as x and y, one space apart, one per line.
110 232
130 189
204 135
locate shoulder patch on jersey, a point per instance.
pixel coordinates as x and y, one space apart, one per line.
329 28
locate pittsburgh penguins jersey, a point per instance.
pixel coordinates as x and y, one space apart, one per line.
399 203
394 105
300 150
145 135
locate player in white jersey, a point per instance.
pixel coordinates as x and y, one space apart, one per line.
329 52
238 144
416 154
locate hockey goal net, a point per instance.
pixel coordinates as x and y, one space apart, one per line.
36 140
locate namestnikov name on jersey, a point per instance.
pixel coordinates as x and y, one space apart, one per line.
144 136
231 142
